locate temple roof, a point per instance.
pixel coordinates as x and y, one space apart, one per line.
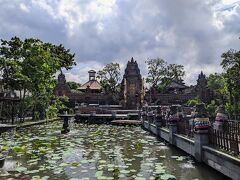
91 71
176 85
93 84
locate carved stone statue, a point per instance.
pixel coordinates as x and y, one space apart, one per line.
221 116
175 114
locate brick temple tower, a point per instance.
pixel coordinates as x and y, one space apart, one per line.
203 92
132 86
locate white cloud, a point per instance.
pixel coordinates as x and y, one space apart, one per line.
101 8
193 33
100 27
24 8
74 12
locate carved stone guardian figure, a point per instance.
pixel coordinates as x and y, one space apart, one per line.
221 118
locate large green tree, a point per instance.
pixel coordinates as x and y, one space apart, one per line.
231 65
73 85
110 79
157 69
30 66
218 84
160 74
175 72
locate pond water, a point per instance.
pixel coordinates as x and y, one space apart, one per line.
96 152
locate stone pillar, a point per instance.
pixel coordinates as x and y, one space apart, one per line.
114 114
144 114
158 120
158 123
172 131
65 128
91 117
201 125
173 119
201 139
150 119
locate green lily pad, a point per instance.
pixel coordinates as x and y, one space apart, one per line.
168 177
21 169
98 173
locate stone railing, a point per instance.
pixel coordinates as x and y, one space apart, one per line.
199 147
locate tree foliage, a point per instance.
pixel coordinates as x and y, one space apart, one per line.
73 85
175 72
160 74
156 71
110 78
29 66
193 102
231 65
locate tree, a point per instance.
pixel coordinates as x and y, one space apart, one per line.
175 72
160 74
193 102
73 85
218 84
30 65
110 78
231 65
156 71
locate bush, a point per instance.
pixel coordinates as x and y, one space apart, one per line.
211 108
193 102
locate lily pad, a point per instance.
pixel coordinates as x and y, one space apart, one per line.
168 177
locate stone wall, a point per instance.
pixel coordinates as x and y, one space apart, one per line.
222 162
160 98
199 149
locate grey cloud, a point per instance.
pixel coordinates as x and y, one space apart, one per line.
180 31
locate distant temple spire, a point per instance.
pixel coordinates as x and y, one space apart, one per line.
61 78
132 60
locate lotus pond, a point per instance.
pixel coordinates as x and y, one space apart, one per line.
96 152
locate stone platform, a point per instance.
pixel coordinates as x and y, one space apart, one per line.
126 122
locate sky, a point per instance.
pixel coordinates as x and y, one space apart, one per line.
193 33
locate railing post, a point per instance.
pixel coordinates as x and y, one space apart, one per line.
173 119
150 119
114 114
172 131
158 123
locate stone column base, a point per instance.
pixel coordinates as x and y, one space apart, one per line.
201 139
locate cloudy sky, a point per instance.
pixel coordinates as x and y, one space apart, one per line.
193 33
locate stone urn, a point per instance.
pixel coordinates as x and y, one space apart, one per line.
201 117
